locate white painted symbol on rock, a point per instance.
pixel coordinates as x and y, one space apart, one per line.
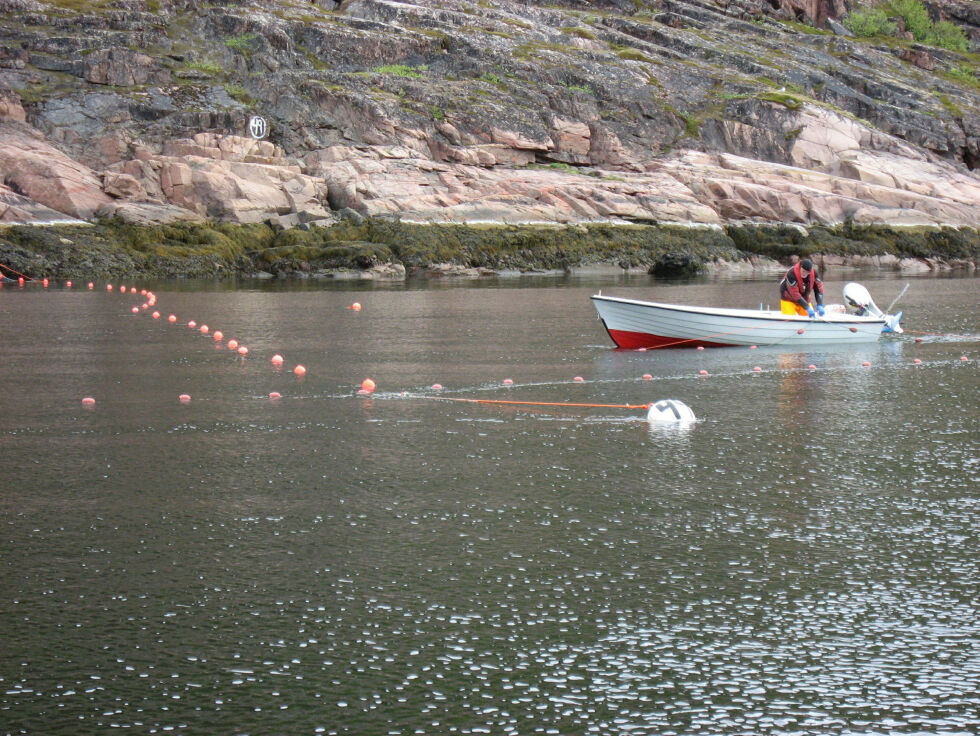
258 127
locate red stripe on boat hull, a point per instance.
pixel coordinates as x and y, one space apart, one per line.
634 340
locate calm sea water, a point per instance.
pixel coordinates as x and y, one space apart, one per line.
802 560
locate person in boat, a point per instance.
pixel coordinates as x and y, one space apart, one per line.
800 283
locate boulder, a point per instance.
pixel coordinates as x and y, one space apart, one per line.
147 213
16 209
37 170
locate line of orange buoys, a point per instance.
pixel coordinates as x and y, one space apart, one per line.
232 344
368 385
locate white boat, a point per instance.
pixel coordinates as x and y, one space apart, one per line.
632 323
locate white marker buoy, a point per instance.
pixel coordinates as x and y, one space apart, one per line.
670 410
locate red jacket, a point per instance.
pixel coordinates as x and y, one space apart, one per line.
795 288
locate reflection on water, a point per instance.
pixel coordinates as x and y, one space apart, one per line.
802 559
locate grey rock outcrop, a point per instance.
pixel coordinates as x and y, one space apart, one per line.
665 111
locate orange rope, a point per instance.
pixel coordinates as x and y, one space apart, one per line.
4 265
538 403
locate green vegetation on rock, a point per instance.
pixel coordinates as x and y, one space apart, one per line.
215 251
401 70
868 22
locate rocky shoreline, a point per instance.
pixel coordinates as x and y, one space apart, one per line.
359 249
429 139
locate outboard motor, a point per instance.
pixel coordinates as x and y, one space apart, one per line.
859 301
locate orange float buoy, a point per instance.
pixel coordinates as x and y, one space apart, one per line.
172 318
88 401
44 283
143 292
964 358
853 329
753 347
917 362
274 395
641 350
218 335
578 379
812 367
647 377
367 385
918 339
866 363
184 398
757 369
242 350
299 370
192 324
700 347
91 285
800 331
233 344
136 310
702 373
277 360
156 315
68 284
437 386
508 381
108 287
204 329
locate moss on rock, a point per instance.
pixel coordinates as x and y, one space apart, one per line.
192 250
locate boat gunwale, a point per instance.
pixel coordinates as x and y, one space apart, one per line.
731 312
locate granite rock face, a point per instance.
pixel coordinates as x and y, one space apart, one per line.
664 111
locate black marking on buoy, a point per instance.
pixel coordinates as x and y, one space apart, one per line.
664 404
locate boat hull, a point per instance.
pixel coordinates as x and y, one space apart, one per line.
637 324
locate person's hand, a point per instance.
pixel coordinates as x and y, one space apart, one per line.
820 309
809 310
